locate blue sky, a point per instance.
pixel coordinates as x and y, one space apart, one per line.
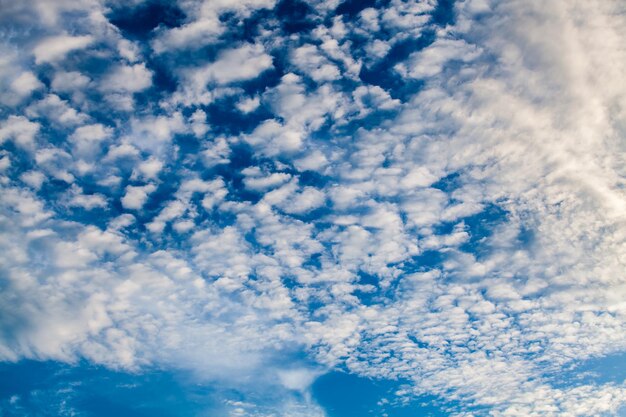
312 209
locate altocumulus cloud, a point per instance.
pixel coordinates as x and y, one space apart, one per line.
258 193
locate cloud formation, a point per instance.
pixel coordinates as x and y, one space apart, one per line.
259 194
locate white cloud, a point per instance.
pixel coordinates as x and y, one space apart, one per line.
77 198
312 161
201 85
57 47
28 210
199 124
87 139
56 110
192 33
407 18
26 83
257 182
136 196
216 152
184 226
55 163
204 25
127 79
291 199
19 129
69 81
213 192
248 104
121 150
314 64
5 161
154 133
302 114
298 379
129 50
149 169
431 61
276 138
372 98
378 48
33 178
238 64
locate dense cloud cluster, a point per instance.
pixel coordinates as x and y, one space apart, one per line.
261 191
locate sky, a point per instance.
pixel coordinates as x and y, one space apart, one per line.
339 208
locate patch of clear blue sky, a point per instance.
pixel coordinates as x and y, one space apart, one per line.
346 395
48 388
599 370
31 388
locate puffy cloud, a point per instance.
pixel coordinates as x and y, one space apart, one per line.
69 81
431 61
199 125
205 25
255 181
55 109
26 83
28 210
216 153
5 162
298 379
127 79
309 60
121 150
238 64
33 178
406 17
55 162
48 14
77 198
276 138
370 98
293 200
212 191
19 129
136 196
207 83
189 34
57 47
154 133
313 161
150 168
87 139
248 104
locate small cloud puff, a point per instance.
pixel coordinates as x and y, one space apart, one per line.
137 196
127 79
55 48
